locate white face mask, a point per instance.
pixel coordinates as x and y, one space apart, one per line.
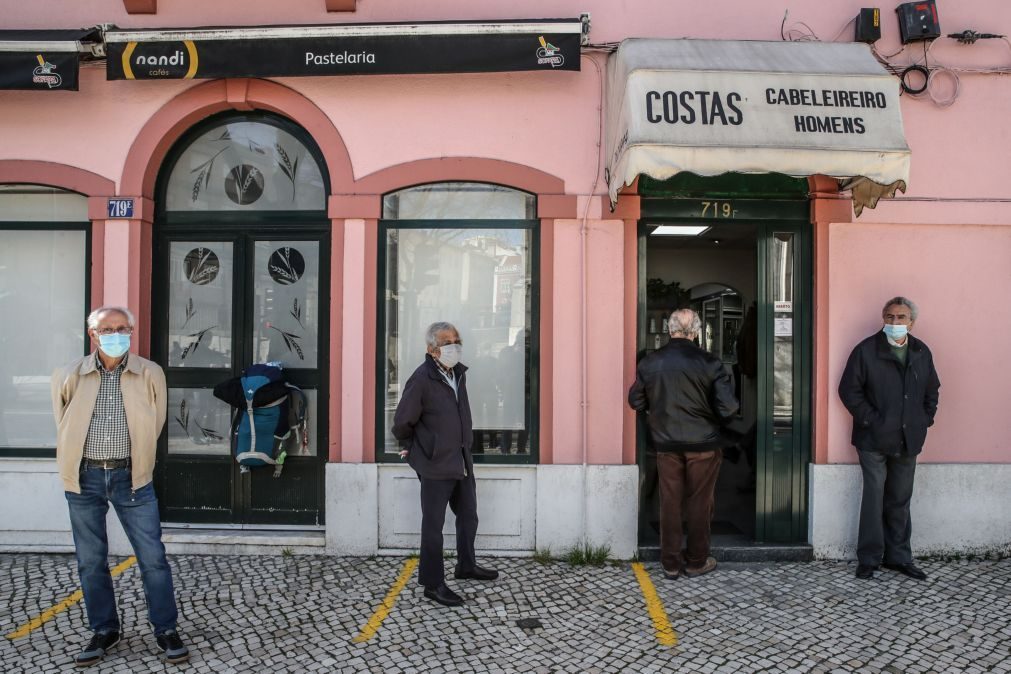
449 355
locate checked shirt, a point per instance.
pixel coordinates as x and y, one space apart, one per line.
108 434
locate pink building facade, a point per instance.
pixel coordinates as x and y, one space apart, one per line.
481 198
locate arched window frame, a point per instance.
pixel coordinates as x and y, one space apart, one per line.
167 215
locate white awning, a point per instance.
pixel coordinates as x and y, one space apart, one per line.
715 106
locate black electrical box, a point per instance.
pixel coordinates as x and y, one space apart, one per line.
869 25
918 21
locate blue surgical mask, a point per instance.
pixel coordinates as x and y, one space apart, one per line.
896 332
114 345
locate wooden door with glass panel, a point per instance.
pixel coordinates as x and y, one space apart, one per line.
241 257
230 304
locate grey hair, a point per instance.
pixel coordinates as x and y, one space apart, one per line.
97 313
684 322
437 327
904 301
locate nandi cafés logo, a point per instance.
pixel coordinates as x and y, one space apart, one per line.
548 54
156 60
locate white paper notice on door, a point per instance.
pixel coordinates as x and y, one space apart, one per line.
784 326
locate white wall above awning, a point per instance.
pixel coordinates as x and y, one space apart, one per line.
714 106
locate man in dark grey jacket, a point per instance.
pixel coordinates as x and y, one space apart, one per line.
890 387
433 423
689 397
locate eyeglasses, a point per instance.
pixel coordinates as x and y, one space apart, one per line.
105 332
457 342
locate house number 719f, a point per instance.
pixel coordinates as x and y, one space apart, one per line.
718 209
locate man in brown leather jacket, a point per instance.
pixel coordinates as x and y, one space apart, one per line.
688 397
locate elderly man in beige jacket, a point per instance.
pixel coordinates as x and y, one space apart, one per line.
110 409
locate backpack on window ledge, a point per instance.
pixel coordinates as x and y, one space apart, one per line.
267 411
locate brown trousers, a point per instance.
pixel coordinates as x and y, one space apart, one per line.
688 477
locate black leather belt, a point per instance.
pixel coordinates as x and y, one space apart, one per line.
105 464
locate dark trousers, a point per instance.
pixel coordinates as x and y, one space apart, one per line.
885 526
688 477
461 496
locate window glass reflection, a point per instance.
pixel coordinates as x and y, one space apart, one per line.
198 423
286 303
479 280
782 348
200 301
459 201
243 166
42 278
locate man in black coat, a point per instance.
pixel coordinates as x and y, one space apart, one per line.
433 423
890 387
688 396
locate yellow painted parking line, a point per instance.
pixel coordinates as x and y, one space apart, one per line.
56 609
665 634
370 628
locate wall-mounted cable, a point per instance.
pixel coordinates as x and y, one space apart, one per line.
912 89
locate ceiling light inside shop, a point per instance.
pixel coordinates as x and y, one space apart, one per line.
679 230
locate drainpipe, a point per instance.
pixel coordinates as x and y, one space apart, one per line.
584 402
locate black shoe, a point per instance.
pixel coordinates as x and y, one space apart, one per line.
444 595
865 572
477 573
174 648
96 649
907 569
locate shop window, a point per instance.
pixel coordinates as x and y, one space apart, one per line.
43 298
465 253
245 165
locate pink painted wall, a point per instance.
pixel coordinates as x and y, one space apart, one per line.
516 114
551 122
959 276
351 434
535 119
602 275
568 421
605 340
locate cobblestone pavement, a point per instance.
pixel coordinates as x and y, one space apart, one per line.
301 614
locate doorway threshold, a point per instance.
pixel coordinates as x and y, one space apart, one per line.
242 541
737 548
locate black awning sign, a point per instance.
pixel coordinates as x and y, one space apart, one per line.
38 70
292 51
45 60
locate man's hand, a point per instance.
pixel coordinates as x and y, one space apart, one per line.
403 454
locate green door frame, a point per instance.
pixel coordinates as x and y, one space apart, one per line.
241 231
784 447
784 451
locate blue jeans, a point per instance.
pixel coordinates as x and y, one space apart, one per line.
138 513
